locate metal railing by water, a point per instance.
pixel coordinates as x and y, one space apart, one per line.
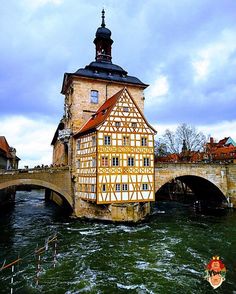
37 253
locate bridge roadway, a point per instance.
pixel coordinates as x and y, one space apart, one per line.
56 179
215 177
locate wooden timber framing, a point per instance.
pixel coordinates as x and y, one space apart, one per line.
115 154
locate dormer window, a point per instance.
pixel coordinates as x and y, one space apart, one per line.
94 96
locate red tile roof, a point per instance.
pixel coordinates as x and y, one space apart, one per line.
222 142
5 147
101 114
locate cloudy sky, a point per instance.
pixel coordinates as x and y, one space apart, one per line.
184 49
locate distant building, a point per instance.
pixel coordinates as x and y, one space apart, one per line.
222 151
8 158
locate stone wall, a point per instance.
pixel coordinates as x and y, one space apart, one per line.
81 98
231 183
128 212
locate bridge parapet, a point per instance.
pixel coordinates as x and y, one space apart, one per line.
32 170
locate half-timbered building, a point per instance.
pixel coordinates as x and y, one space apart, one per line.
114 155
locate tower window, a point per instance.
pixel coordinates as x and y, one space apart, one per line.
94 96
117 123
93 141
104 161
146 161
94 162
104 188
126 141
145 187
78 144
144 141
117 187
130 161
125 187
115 161
78 163
92 188
107 140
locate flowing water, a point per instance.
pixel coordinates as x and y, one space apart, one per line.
165 254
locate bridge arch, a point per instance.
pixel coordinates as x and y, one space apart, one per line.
39 183
191 188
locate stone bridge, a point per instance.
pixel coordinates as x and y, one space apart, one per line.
200 177
217 179
55 179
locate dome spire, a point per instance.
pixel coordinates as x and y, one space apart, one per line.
103 18
103 42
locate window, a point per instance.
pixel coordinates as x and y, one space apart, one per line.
107 140
104 161
145 187
86 188
94 96
126 109
115 161
126 141
93 141
134 125
117 123
78 163
117 187
93 162
125 187
130 161
78 144
92 188
146 161
144 141
103 187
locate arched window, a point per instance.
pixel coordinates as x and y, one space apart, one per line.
94 96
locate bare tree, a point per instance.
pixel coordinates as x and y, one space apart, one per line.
194 140
160 149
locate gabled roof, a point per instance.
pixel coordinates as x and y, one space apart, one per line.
222 142
5 147
103 112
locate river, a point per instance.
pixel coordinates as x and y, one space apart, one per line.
165 254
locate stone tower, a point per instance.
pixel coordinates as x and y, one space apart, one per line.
87 89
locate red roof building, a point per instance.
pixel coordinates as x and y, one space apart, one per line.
222 151
8 158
